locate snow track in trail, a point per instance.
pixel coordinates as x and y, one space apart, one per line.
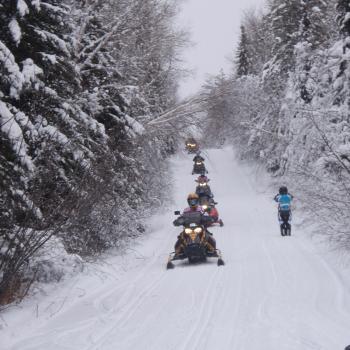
274 293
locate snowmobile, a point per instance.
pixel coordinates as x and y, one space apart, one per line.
199 168
194 239
209 207
191 146
204 190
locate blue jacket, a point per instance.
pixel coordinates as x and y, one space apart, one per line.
284 201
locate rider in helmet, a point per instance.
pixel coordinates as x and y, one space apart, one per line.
284 199
212 211
198 157
203 189
193 202
199 166
202 179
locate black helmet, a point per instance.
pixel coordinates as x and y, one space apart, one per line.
283 190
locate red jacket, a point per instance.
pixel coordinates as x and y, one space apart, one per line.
214 214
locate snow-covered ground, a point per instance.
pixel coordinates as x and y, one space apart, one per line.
274 293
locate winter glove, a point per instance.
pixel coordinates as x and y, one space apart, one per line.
178 222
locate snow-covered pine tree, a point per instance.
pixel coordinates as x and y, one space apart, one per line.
260 43
313 35
243 64
313 26
342 84
343 8
285 17
37 76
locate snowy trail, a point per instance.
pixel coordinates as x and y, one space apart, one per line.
273 293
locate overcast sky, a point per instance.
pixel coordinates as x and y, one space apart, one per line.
215 28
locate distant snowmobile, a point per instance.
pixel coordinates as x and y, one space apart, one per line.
204 192
199 168
194 239
191 145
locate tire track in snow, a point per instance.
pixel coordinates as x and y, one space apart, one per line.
127 312
201 313
208 316
132 303
262 314
93 324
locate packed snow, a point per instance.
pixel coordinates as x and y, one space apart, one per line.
274 293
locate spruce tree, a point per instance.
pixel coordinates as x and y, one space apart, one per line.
285 16
312 35
343 8
35 69
313 25
242 56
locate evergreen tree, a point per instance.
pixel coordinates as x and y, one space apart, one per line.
37 77
286 16
312 35
313 26
242 56
343 8
260 43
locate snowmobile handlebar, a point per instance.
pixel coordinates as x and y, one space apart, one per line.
185 220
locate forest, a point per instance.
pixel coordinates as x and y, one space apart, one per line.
286 105
79 166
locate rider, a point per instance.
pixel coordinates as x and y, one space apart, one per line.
198 166
202 179
193 202
198 158
203 189
213 212
284 199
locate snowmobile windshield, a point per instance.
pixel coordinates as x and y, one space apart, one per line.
192 218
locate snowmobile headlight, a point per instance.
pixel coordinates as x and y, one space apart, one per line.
205 207
198 230
188 231
198 163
